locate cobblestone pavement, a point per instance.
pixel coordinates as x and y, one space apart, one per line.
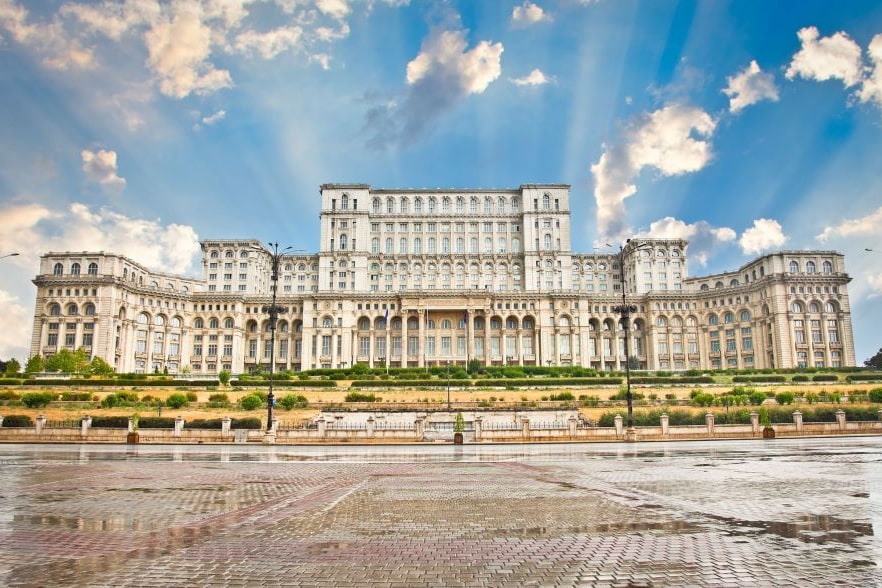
783 513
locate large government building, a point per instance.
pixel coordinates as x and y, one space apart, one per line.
426 277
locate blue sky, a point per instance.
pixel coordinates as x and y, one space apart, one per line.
144 126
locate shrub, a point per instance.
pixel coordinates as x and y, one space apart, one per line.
622 394
224 377
8 395
219 399
251 402
757 398
17 420
245 423
293 401
213 424
156 423
563 396
176 400
361 397
76 396
784 397
703 399
37 399
111 422
800 378
824 378
192 397
875 395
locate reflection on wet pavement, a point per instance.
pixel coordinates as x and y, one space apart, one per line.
794 512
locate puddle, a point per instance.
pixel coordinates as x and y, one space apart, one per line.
818 529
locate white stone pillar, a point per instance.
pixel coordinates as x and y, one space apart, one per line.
619 426
85 425
665 426
179 426
40 423
709 420
754 422
225 426
840 418
797 420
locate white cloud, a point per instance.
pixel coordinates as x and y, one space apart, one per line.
444 55
672 140
534 78
438 78
749 86
178 50
836 57
875 282
34 228
764 234
58 50
270 43
871 89
336 8
213 118
529 13
101 167
15 335
703 237
866 225
113 19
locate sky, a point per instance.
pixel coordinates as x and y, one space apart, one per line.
143 126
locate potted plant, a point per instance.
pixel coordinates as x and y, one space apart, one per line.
133 437
458 428
766 422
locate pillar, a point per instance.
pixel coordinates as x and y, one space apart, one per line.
619 427
665 426
478 426
571 425
85 425
840 418
525 427
709 420
370 427
225 426
797 420
754 422
179 426
41 422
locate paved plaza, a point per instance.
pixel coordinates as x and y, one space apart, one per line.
783 513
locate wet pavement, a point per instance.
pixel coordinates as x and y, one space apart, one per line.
783 513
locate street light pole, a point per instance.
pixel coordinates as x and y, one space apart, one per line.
273 310
448 384
625 310
8 255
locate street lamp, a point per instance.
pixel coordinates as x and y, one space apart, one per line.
625 310
274 311
8 255
448 384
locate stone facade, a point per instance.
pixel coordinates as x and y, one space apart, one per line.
426 277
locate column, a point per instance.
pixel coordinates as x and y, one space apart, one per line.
404 318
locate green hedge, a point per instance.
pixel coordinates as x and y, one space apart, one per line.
411 383
672 380
824 378
250 423
156 423
10 382
118 382
769 379
286 383
17 420
111 422
213 424
863 377
542 382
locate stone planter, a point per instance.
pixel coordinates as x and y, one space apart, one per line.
457 438
133 438
768 433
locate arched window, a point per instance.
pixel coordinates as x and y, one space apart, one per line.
375 245
214 255
72 309
446 324
479 323
515 245
705 287
827 267
344 202
89 309
564 321
473 205
58 269
176 322
713 320
810 267
143 319
413 323
55 310
745 316
528 322
298 327
495 323
228 323
500 205
198 323
74 269
432 205
327 322
93 269
511 323
488 205
396 324
796 307
445 205
376 206
794 267
213 323
547 242
418 205
390 205
546 202
815 307
661 322
344 241
405 206
460 205
388 245
417 245
364 324
729 318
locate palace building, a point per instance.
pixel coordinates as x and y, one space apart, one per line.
430 276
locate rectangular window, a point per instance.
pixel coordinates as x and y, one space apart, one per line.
326 345
479 347
430 346
380 346
396 346
494 346
212 350
445 347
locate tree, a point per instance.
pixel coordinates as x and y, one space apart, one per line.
99 367
875 361
35 364
12 367
224 377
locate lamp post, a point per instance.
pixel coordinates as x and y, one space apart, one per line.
274 311
8 255
625 310
448 384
